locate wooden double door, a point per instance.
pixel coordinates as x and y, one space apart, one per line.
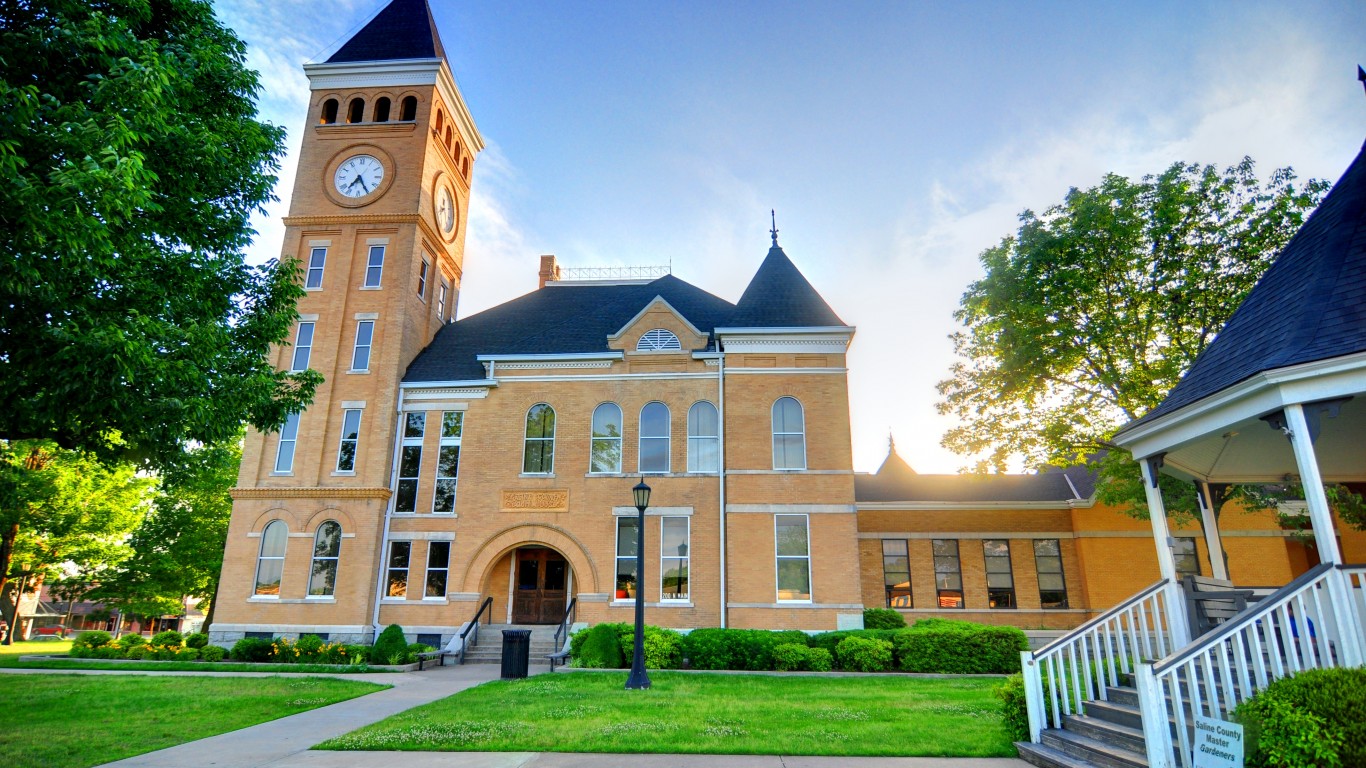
541 586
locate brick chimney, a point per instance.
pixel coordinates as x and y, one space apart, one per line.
550 271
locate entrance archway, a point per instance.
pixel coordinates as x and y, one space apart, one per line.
540 586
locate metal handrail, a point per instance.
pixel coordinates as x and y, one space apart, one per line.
1101 619
570 613
474 627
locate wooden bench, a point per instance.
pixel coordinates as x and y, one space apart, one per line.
1211 602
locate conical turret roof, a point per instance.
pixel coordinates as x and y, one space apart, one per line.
780 297
404 29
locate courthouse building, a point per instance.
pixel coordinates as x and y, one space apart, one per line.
448 462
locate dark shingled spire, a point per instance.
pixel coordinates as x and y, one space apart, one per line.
779 297
894 466
403 30
1310 305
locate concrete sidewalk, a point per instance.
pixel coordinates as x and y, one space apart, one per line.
285 743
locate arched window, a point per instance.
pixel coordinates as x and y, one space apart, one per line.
355 111
704 444
440 121
789 434
270 566
606 453
465 167
457 151
654 438
657 339
408 108
538 454
382 109
449 144
322 581
329 115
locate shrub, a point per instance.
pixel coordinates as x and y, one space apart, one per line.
390 647
829 641
309 647
197 640
212 653
663 648
283 651
130 640
882 618
970 649
864 654
355 654
135 652
1311 718
819 660
169 637
1014 709
110 651
789 657
186 654
333 653
750 649
600 647
709 648
95 638
252 649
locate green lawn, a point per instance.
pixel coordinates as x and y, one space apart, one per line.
72 721
705 714
9 657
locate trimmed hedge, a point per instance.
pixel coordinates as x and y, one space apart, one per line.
740 649
597 647
864 654
1014 707
978 650
882 618
1313 718
253 649
663 648
390 647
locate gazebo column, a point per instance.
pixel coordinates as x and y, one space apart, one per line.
1320 517
1178 626
1214 540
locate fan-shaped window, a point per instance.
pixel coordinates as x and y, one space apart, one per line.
654 438
606 453
329 112
704 449
538 454
270 566
322 582
408 108
382 109
789 434
659 338
355 111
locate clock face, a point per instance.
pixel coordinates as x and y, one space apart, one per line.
359 176
445 211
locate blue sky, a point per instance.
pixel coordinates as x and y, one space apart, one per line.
896 140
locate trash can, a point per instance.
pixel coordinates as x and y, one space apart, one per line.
516 650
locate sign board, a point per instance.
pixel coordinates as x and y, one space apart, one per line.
1218 743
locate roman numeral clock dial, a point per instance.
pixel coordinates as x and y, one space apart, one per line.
358 176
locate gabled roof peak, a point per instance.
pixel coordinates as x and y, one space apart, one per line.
403 29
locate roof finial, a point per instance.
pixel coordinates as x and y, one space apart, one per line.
773 216
891 443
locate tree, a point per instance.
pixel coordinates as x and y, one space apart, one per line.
177 551
132 161
1090 313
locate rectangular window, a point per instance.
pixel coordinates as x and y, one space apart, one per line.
896 573
410 462
399 551
360 356
438 565
422 279
441 293
284 453
673 558
1048 564
794 558
303 347
1000 579
374 267
448 462
1187 557
626 557
948 573
317 258
350 440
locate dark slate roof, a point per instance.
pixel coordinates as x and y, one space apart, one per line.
892 483
557 319
780 297
404 29
1310 305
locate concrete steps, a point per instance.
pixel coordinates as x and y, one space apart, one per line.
489 647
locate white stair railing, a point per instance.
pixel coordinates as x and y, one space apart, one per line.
1078 667
1314 622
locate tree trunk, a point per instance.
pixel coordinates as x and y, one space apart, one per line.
7 539
208 615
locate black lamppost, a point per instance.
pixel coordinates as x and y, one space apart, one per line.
638 679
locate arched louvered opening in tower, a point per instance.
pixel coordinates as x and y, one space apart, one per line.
329 114
355 111
382 109
440 121
408 109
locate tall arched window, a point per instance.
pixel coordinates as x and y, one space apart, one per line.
704 444
355 111
606 453
329 115
408 108
654 438
382 109
440 121
322 581
789 434
270 566
538 454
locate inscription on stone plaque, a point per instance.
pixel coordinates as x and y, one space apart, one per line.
535 501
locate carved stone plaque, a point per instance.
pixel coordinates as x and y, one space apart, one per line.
535 501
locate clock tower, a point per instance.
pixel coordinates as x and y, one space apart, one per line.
377 220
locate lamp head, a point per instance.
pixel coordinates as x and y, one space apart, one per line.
642 495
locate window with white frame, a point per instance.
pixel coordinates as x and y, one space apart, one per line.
789 434
626 557
422 279
658 339
322 579
704 441
396 579
538 452
317 259
438 567
270 564
284 452
365 336
410 461
441 293
793 548
654 437
673 558
374 266
448 462
303 347
350 440
605 455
